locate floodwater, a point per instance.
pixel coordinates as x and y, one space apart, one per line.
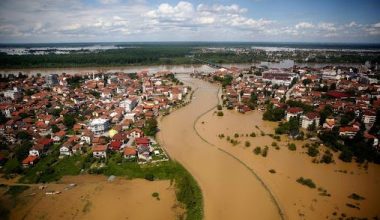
126 69
230 190
298 202
95 198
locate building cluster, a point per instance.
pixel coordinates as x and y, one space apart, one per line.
352 97
88 113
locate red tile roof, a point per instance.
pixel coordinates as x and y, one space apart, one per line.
129 151
29 159
99 148
142 141
294 110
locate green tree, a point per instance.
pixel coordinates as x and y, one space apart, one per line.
3 119
69 120
55 128
23 135
12 166
306 81
22 150
312 127
150 127
273 114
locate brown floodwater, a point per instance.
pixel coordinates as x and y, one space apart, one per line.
298 202
96 198
230 189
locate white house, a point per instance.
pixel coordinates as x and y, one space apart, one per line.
65 150
12 93
293 112
369 117
99 151
128 104
34 152
309 118
131 116
99 125
175 94
348 131
135 133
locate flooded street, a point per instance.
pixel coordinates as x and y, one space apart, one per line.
230 190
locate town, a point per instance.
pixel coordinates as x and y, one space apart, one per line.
98 115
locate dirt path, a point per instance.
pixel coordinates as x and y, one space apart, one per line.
229 188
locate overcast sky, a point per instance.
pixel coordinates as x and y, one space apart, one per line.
29 21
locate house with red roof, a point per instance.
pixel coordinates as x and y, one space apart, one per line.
29 161
369 117
135 133
310 118
129 153
142 141
115 145
348 131
58 136
293 112
99 151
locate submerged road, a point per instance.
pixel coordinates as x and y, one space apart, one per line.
230 189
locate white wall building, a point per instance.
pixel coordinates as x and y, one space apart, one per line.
128 104
99 125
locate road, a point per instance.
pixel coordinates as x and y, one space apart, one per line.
230 190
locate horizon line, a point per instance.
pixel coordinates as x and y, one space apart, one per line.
244 42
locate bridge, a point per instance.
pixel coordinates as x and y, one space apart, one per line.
211 64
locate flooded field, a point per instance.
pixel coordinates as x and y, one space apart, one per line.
96 198
230 190
299 202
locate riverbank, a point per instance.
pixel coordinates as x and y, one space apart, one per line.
281 167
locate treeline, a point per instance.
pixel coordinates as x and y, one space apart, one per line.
127 56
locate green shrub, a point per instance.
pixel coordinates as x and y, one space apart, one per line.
272 171
355 196
16 190
274 144
312 151
327 157
220 113
236 135
253 134
257 150
219 107
265 151
306 182
156 195
292 147
247 144
149 176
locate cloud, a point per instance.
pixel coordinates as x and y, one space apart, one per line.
140 20
304 25
109 1
327 26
